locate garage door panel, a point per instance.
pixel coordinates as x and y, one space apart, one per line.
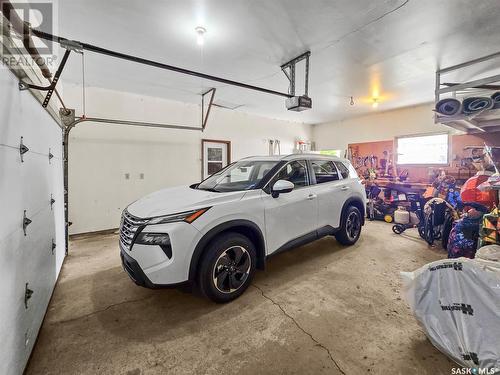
12 293
39 186
11 189
37 246
29 184
27 259
23 110
10 97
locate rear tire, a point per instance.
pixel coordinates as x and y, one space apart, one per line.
398 228
350 228
227 267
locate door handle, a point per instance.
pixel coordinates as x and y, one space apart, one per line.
344 188
311 196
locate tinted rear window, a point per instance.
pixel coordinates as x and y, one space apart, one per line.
324 171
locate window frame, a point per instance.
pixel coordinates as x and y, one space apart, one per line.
267 186
448 154
313 175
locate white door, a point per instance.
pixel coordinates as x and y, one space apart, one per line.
290 215
332 191
215 157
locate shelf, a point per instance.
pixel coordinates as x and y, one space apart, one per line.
485 121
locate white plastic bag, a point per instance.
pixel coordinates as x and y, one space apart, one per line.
457 303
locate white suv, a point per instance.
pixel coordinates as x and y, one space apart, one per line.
216 233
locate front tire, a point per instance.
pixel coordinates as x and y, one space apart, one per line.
227 267
351 227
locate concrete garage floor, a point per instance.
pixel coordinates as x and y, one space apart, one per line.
318 309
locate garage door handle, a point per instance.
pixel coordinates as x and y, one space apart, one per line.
311 196
344 188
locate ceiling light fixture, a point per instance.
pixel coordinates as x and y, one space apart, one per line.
200 35
375 102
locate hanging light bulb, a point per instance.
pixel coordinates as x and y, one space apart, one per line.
375 103
200 35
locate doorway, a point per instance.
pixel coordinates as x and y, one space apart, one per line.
216 155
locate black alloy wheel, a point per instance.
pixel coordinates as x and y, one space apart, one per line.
231 269
227 267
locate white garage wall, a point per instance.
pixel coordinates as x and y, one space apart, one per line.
378 126
101 155
27 186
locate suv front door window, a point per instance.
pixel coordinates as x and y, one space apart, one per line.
295 172
290 215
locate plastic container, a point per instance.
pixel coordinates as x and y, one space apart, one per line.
401 216
414 218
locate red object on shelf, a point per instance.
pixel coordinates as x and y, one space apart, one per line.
471 193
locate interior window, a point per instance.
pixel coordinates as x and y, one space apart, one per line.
295 171
343 169
325 171
422 149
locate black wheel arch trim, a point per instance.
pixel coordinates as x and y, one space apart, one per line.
356 202
237 225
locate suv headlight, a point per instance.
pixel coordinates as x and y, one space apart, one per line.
160 239
187 216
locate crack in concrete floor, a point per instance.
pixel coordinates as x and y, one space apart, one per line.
102 310
300 327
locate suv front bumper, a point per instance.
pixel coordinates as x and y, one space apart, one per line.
134 271
138 276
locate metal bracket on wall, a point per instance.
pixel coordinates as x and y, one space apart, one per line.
23 86
27 295
67 116
26 222
50 155
50 89
22 149
204 116
52 201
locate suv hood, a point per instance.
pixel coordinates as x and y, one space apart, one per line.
179 199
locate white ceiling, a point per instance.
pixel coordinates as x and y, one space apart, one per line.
359 48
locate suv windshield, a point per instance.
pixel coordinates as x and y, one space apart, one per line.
242 175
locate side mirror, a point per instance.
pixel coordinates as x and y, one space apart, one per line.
281 187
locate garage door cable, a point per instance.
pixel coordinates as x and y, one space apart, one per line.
103 51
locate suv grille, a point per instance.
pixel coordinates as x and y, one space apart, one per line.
128 228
